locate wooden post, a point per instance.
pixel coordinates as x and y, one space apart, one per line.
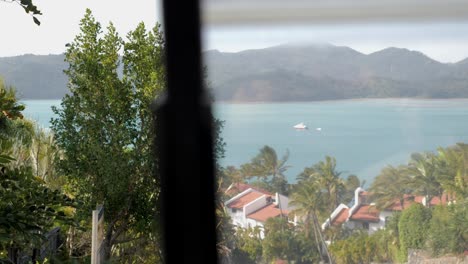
97 235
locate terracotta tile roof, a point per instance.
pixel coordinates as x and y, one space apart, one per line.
266 212
236 188
366 213
418 199
245 199
341 217
436 200
409 199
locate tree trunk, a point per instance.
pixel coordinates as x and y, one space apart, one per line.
106 244
317 242
70 240
324 245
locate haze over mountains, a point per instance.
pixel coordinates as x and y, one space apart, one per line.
283 73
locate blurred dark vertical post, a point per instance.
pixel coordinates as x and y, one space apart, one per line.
184 140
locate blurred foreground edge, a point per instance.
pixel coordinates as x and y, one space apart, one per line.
184 143
280 12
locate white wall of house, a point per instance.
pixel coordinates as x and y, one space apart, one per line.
357 200
254 223
384 216
237 217
282 201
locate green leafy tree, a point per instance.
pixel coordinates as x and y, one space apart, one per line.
448 231
248 245
231 174
10 108
28 208
324 173
439 232
351 183
13 129
308 201
458 226
224 227
413 226
392 184
363 248
303 248
423 173
279 239
105 128
267 167
44 153
452 170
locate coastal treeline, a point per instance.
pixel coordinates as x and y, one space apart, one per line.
441 229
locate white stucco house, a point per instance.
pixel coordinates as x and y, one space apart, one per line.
362 213
252 207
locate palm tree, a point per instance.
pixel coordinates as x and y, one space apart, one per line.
308 201
267 167
9 106
390 185
452 169
328 178
422 170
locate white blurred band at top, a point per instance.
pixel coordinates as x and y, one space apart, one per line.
235 12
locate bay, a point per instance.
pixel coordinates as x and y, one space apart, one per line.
363 135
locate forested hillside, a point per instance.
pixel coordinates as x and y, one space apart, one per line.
282 73
35 77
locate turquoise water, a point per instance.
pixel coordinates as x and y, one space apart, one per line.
363 135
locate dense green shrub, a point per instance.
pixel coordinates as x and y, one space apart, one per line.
413 227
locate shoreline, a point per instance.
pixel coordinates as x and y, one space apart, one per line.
413 99
389 99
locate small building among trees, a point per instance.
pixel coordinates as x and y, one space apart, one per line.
252 207
363 213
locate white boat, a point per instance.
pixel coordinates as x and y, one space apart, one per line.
300 126
318 129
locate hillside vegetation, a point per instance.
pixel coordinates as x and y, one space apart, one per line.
282 73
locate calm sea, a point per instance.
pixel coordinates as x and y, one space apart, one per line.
363 135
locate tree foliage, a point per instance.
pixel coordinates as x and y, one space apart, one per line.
413 226
29 7
363 248
422 169
392 184
269 169
249 246
28 207
105 128
324 173
448 229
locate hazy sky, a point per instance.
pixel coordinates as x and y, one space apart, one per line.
446 42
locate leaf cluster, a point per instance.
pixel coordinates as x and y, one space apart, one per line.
28 208
29 7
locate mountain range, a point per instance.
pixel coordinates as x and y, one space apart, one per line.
282 73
